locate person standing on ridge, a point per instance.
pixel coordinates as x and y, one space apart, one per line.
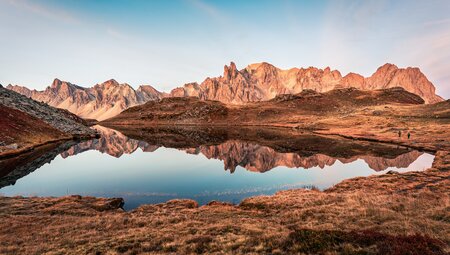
399 133
409 135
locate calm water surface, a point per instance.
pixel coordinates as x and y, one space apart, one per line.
141 172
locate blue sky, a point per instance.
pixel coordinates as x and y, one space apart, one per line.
169 43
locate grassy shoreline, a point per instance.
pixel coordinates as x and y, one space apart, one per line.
387 214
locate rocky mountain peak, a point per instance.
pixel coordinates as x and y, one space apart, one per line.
257 82
230 72
147 93
387 67
59 91
263 81
56 84
109 83
100 102
411 79
146 88
262 67
20 89
65 86
385 71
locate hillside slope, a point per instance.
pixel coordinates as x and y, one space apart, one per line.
379 115
58 118
26 123
19 130
282 109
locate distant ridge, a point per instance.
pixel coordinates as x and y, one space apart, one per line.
256 82
282 109
102 101
263 81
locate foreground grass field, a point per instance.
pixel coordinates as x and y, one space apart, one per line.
406 213
389 214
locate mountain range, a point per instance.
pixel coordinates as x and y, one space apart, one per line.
263 81
256 82
99 102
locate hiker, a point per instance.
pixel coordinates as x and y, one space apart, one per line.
399 134
409 135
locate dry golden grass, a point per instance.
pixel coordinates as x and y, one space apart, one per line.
339 113
354 217
390 214
429 134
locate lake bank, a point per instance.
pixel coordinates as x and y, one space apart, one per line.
406 211
138 165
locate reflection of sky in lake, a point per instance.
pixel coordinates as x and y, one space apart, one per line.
153 177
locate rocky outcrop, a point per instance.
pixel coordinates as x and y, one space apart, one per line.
263 81
20 131
60 119
99 102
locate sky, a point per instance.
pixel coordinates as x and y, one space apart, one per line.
169 43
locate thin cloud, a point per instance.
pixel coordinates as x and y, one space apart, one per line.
431 52
437 22
45 11
209 10
115 33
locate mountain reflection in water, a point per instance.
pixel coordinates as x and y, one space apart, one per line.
250 155
156 164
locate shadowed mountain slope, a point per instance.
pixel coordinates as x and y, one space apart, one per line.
26 123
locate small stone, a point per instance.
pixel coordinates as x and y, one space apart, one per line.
12 146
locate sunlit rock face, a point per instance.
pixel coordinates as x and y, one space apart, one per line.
263 81
256 82
234 153
102 101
